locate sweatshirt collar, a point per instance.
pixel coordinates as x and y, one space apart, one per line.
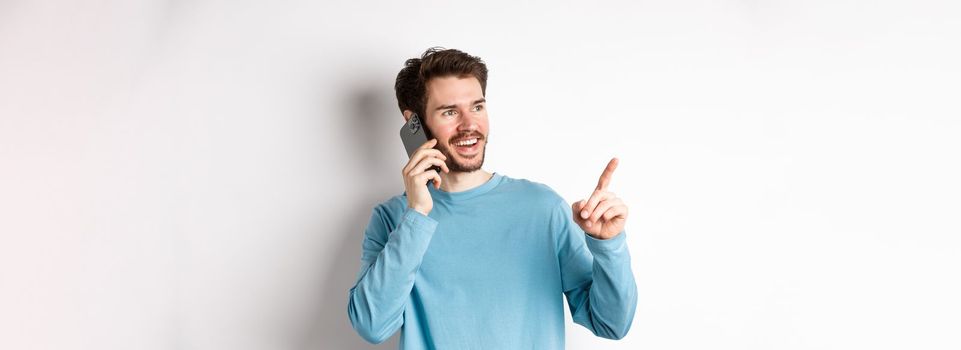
468 194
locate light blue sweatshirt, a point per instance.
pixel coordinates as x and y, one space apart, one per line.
487 270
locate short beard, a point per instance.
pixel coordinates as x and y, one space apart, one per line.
452 163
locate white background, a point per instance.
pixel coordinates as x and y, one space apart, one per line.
198 174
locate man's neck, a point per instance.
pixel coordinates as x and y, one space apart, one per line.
458 181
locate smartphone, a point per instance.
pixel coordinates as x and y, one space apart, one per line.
414 134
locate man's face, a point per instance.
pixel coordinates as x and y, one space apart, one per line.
457 118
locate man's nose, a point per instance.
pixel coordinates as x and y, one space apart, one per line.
469 122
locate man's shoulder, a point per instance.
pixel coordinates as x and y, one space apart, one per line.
392 208
533 190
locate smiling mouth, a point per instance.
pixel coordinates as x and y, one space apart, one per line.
466 142
467 145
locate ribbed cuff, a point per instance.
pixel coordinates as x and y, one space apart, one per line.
419 222
607 245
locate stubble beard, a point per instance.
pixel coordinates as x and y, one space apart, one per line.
452 157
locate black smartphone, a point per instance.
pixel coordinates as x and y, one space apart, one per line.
414 133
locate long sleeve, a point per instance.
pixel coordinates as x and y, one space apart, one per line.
390 260
597 278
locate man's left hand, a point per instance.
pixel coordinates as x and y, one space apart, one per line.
603 214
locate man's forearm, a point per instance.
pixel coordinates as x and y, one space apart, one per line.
613 293
378 299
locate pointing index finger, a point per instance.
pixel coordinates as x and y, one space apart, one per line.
606 175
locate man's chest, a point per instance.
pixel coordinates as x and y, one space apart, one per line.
512 248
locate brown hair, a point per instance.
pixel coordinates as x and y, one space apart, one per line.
411 84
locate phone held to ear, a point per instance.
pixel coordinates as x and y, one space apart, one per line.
414 134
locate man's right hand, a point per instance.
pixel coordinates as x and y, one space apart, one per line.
418 171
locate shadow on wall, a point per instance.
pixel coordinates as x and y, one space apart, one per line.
369 112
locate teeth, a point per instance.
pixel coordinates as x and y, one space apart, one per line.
466 142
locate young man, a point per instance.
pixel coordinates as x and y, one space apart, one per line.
467 259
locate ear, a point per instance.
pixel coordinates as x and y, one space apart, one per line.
407 114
